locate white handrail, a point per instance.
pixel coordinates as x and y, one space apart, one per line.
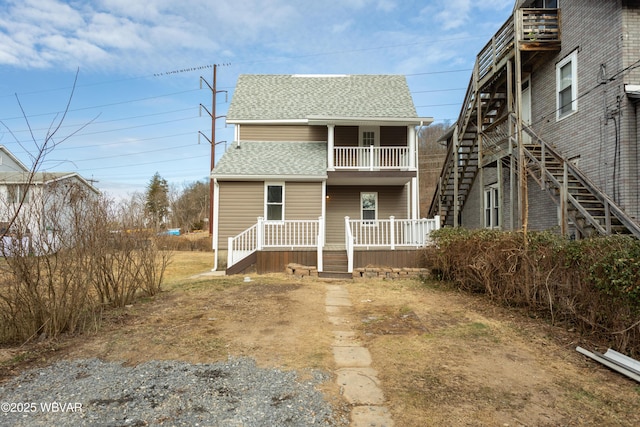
348 244
242 245
372 158
290 233
275 234
392 232
320 243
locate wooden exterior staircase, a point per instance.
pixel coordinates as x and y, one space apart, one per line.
581 202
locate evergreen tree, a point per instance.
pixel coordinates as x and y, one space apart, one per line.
157 200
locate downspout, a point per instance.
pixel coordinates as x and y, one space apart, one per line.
418 164
216 209
324 209
415 193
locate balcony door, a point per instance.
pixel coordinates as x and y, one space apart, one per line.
369 136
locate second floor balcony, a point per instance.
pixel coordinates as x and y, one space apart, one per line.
371 158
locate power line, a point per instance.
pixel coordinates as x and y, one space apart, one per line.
103 105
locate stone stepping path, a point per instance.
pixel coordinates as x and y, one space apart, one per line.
358 381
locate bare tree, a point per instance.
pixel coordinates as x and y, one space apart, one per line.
66 253
190 207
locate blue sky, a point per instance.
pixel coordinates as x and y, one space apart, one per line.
135 110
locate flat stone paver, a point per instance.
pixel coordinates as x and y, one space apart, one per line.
338 301
352 356
338 320
345 339
360 386
371 416
357 380
335 309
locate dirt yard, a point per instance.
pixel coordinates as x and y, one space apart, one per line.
443 358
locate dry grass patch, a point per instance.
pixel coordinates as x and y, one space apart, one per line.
446 358
443 357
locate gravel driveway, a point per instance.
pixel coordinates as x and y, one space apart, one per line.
231 393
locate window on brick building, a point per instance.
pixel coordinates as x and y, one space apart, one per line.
491 207
567 86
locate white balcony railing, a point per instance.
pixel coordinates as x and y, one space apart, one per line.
371 158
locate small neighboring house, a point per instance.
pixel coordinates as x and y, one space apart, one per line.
28 201
322 171
547 137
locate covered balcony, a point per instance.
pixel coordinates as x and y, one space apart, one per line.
379 155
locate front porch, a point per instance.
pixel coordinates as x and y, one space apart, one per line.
269 246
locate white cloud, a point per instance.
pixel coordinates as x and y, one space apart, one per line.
341 27
453 14
386 5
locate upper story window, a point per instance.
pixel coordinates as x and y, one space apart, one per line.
274 206
369 136
567 86
546 4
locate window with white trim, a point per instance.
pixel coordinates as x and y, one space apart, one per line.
369 136
18 192
567 86
369 207
491 207
274 202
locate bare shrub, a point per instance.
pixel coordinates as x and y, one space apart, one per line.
45 286
592 284
65 259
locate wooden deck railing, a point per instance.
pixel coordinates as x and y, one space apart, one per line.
497 48
536 26
540 25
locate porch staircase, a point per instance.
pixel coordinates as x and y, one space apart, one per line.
335 265
588 208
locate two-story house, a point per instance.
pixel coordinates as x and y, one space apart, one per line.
34 204
547 137
322 171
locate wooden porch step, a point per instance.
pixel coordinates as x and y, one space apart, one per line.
335 260
335 265
335 275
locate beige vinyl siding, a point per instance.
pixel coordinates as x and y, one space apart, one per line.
283 133
302 200
241 203
345 201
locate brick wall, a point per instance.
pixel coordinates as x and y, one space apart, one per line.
601 136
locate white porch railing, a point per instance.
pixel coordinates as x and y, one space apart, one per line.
275 234
371 158
388 233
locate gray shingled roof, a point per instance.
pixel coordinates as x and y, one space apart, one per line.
282 97
7 178
264 159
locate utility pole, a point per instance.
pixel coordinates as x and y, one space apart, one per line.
212 141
